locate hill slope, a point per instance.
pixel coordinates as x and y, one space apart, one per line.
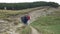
13 22
49 24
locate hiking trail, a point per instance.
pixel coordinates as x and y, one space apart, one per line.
34 15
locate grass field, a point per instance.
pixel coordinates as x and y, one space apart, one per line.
49 24
4 14
8 13
26 30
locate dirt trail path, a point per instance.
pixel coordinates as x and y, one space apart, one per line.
34 15
34 31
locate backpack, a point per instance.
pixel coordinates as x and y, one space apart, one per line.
23 18
28 17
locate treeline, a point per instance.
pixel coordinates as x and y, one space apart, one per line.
18 6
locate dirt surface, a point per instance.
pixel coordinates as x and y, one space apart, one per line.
34 31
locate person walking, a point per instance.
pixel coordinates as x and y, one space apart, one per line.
25 19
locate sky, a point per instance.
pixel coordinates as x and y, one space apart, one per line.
19 1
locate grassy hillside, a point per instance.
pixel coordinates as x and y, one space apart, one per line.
26 30
4 14
9 13
49 24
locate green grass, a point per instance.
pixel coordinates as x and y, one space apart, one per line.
48 24
8 13
26 30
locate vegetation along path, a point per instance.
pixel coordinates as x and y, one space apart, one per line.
35 14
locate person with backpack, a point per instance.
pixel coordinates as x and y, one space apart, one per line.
25 19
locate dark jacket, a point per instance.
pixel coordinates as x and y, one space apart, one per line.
24 19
